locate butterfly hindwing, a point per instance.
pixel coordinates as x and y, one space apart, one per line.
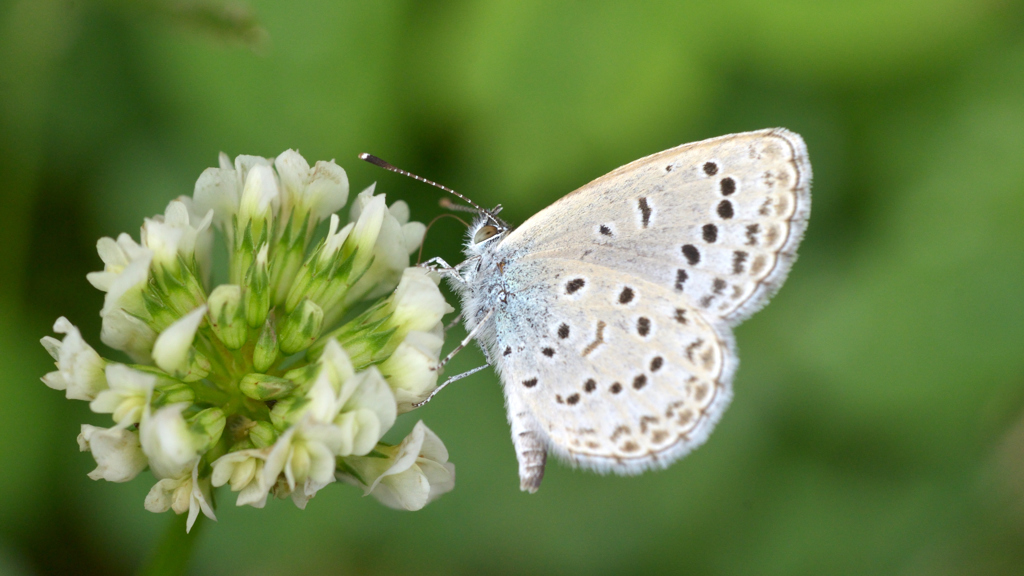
617 373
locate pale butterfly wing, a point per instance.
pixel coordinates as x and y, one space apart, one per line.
717 222
613 372
608 313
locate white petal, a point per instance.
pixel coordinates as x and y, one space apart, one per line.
336 363
413 233
419 304
409 490
440 475
328 189
126 290
117 452
167 442
293 170
161 494
411 370
199 500
259 193
124 332
400 210
170 352
432 447
374 394
217 189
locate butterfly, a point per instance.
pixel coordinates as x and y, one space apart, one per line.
608 315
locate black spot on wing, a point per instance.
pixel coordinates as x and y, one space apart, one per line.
738 258
691 253
643 326
710 233
681 277
626 296
645 212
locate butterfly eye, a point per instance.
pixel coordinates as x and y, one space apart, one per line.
484 233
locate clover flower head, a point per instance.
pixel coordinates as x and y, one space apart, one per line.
284 378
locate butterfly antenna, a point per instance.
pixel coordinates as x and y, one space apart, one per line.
378 162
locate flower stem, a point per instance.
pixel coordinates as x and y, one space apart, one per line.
174 550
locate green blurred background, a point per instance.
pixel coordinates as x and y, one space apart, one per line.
878 422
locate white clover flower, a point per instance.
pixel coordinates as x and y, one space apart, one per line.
418 304
167 441
412 232
304 459
334 240
243 471
368 410
176 233
187 492
396 240
127 333
124 308
116 256
317 192
411 370
127 396
125 291
246 191
172 347
80 370
258 196
200 222
117 452
410 476
360 406
364 236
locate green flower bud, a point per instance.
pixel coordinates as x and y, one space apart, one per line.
172 392
288 257
265 387
257 295
265 353
287 411
227 316
207 426
198 367
301 328
263 434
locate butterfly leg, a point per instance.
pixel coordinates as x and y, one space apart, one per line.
437 264
447 382
528 440
465 341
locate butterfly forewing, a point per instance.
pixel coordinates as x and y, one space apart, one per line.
617 372
717 222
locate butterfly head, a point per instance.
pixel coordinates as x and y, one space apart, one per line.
487 230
